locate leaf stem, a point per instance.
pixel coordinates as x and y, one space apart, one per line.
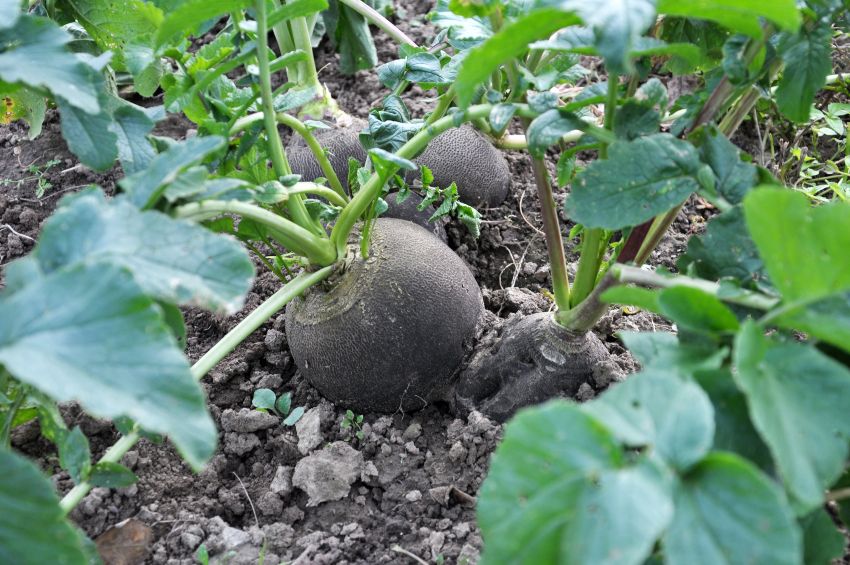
281 165
379 21
210 359
293 236
328 194
298 126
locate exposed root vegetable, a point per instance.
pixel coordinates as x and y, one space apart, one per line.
534 360
388 334
409 210
464 156
340 144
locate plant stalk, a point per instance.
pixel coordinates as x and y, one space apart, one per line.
281 165
379 21
298 126
291 235
210 359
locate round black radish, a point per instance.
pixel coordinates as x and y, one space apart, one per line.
409 210
463 156
340 143
388 334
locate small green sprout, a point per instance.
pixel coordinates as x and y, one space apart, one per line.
354 422
265 400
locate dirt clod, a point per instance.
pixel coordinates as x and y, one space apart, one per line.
328 474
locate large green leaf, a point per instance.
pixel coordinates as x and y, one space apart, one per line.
728 512
186 18
737 15
725 250
659 410
173 260
797 398
23 103
733 177
822 540
295 9
89 334
557 492
113 25
804 248
145 187
510 42
10 11
89 136
33 53
696 310
131 125
616 24
33 528
808 59
662 352
351 37
639 180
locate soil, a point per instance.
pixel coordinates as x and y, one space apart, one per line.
406 486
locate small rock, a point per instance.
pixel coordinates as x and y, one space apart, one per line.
529 268
231 538
457 451
270 504
542 274
413 496
461 530
479 422
328 474
436 541
411 448
274 340
369 473
412 432
309 429
247 421
28 218
585 392
240 444
282 481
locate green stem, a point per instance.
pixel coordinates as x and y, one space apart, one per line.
593 239
211 358
281 165
265 260
286 45
6 429
301 39
443 106
635 275
379 21
552 232
298 126
294 237
319 190
361 201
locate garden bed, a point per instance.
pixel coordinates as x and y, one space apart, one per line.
413 477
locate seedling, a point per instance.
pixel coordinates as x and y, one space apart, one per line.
38 174
265 401
354 423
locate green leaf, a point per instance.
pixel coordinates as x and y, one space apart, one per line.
295 9
659 410
284 403
733 429
144 64
808 59
89 136
804 248
696 310
661 351
10 11
113 25
737 15
61 333
549 127
294 416
384 158
131 125
727 511
632 296
511 41
616 24
173 318
23 104
635 119
725 250
500 116
33 52
190 14
33 528
173 260
111 475
424 67
639 180
798 403
827 319
822 541
557 493
74 455
146 186
263 398
350 34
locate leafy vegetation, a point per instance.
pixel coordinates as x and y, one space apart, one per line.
724 447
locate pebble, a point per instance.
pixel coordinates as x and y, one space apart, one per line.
309 429
413 496
328 474
246 421
282 481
